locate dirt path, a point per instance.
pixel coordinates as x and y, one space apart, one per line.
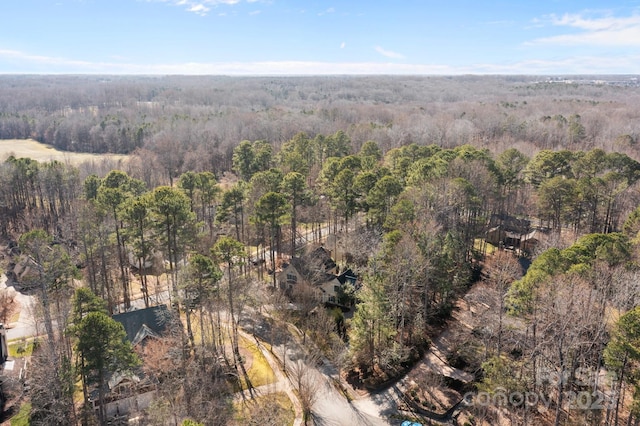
467 312
425 380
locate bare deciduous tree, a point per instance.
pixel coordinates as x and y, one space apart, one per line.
306 381
8 305
501 270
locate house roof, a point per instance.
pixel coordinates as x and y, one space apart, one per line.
347 276
142 334
118 377
142 323
315 266
510 223
309 272
323 256
532 235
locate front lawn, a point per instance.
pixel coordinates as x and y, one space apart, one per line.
272 409
260 372
20 348
22 418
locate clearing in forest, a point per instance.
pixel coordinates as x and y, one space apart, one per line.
28 148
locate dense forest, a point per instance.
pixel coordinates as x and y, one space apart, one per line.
427 187
210 115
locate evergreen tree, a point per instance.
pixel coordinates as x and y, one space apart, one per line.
103 350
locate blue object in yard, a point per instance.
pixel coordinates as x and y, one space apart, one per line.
410 423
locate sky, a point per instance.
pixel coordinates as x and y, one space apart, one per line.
319 37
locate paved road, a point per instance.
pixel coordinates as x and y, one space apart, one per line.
25 326
331 406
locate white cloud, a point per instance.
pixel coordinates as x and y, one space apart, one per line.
343 45
25 63
585 65
255 12
200 7
325 12
606 23
389 53
26 58
602 31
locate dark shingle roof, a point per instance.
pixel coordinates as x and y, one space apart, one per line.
154 318
322 256
348 276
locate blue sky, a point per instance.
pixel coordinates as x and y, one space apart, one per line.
294 37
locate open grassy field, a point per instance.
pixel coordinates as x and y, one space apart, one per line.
41 152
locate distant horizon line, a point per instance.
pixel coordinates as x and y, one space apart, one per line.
81 74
